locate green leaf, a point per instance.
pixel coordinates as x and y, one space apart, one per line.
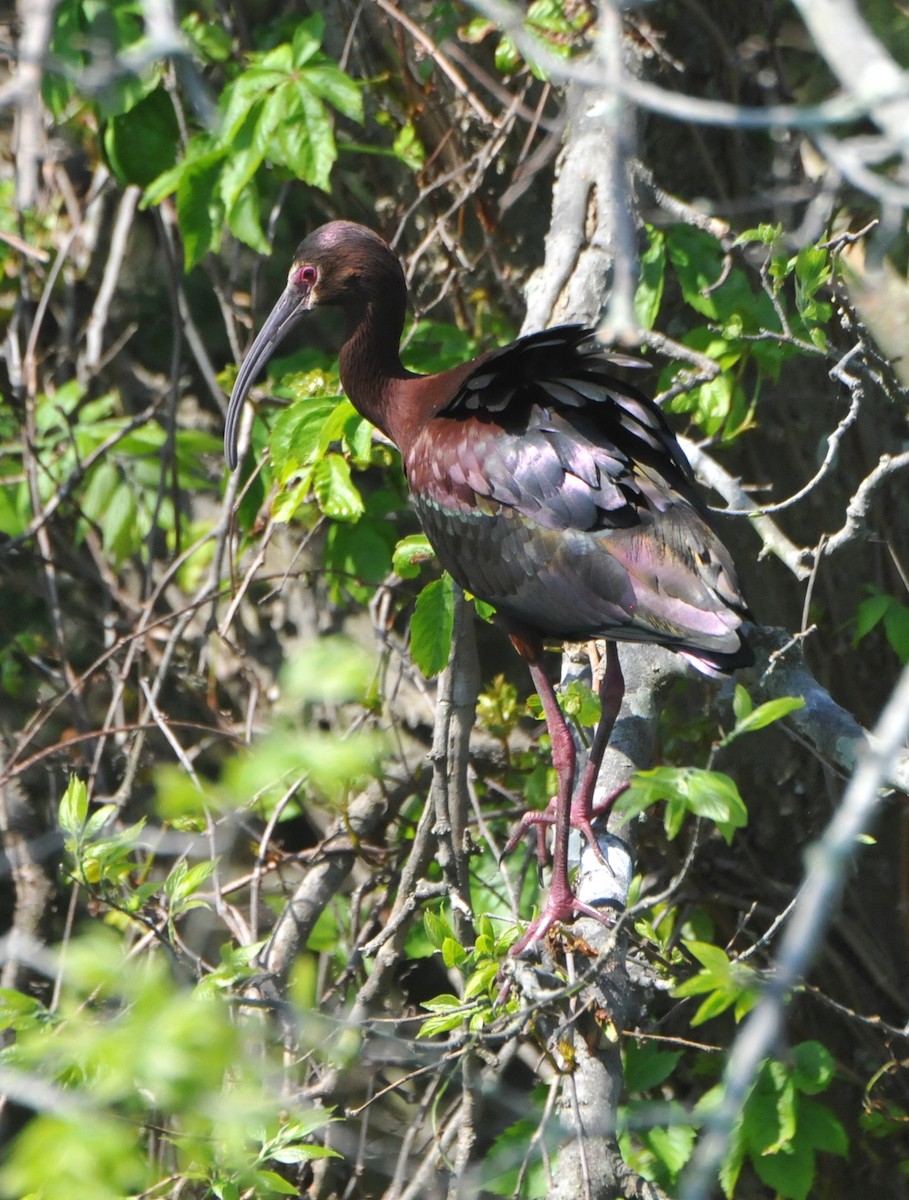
211 39
453 953
20 1012
437 928
331 84
73 807
709 794
770 1112
649 294
298 435
896 626
444 1003
443 1023
481 980
812 271
507 56
183 881
581 702
271 1181
431 627
869 613
789 1171
726 983
335 491
813 1068
647 1066
305 137
241 96
359 554
308 37
408 147
118 524
98 820
409 552
818 1126
141 144
765 714
672 1145
103 481
741 702
712 403
196 208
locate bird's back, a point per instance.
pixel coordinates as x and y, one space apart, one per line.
553 489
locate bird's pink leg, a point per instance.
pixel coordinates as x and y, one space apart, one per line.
612 692
582 811
561 903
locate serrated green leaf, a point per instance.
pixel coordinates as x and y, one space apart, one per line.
770 1113
431 627
334 489
672 1145
331 84
245 158
297 434
305 137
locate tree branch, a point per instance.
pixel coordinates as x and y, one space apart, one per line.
813 911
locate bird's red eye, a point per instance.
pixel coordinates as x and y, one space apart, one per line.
304 276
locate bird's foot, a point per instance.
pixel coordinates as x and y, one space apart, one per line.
561 907
582 815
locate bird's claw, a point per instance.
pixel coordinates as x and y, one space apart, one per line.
557 910
581 817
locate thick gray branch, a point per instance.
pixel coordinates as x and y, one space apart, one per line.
814 909
830 730
862 65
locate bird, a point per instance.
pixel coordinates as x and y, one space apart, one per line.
547 485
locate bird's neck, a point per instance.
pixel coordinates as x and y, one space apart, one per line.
372 374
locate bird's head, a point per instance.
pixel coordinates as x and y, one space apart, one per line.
340 264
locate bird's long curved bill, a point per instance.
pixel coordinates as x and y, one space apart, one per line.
290 307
